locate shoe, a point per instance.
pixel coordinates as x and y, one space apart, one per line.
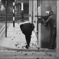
27 46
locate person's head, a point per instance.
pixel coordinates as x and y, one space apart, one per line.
49 10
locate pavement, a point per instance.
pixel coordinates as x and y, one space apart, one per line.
16 39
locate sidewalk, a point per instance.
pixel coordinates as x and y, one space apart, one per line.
16 39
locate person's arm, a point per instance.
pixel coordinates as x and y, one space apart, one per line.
49 19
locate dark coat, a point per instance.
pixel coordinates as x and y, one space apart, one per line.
27 28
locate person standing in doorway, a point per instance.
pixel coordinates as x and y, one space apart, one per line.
22 11
51 21
22 15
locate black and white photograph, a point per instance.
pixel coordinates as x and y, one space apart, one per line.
29 29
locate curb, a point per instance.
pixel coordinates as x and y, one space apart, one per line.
2 28
2 32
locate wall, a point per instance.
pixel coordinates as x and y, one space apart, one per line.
46 4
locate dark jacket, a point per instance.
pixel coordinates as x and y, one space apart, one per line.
27 28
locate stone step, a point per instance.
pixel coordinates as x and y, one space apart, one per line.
26 54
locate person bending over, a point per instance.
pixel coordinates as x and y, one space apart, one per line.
27 29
